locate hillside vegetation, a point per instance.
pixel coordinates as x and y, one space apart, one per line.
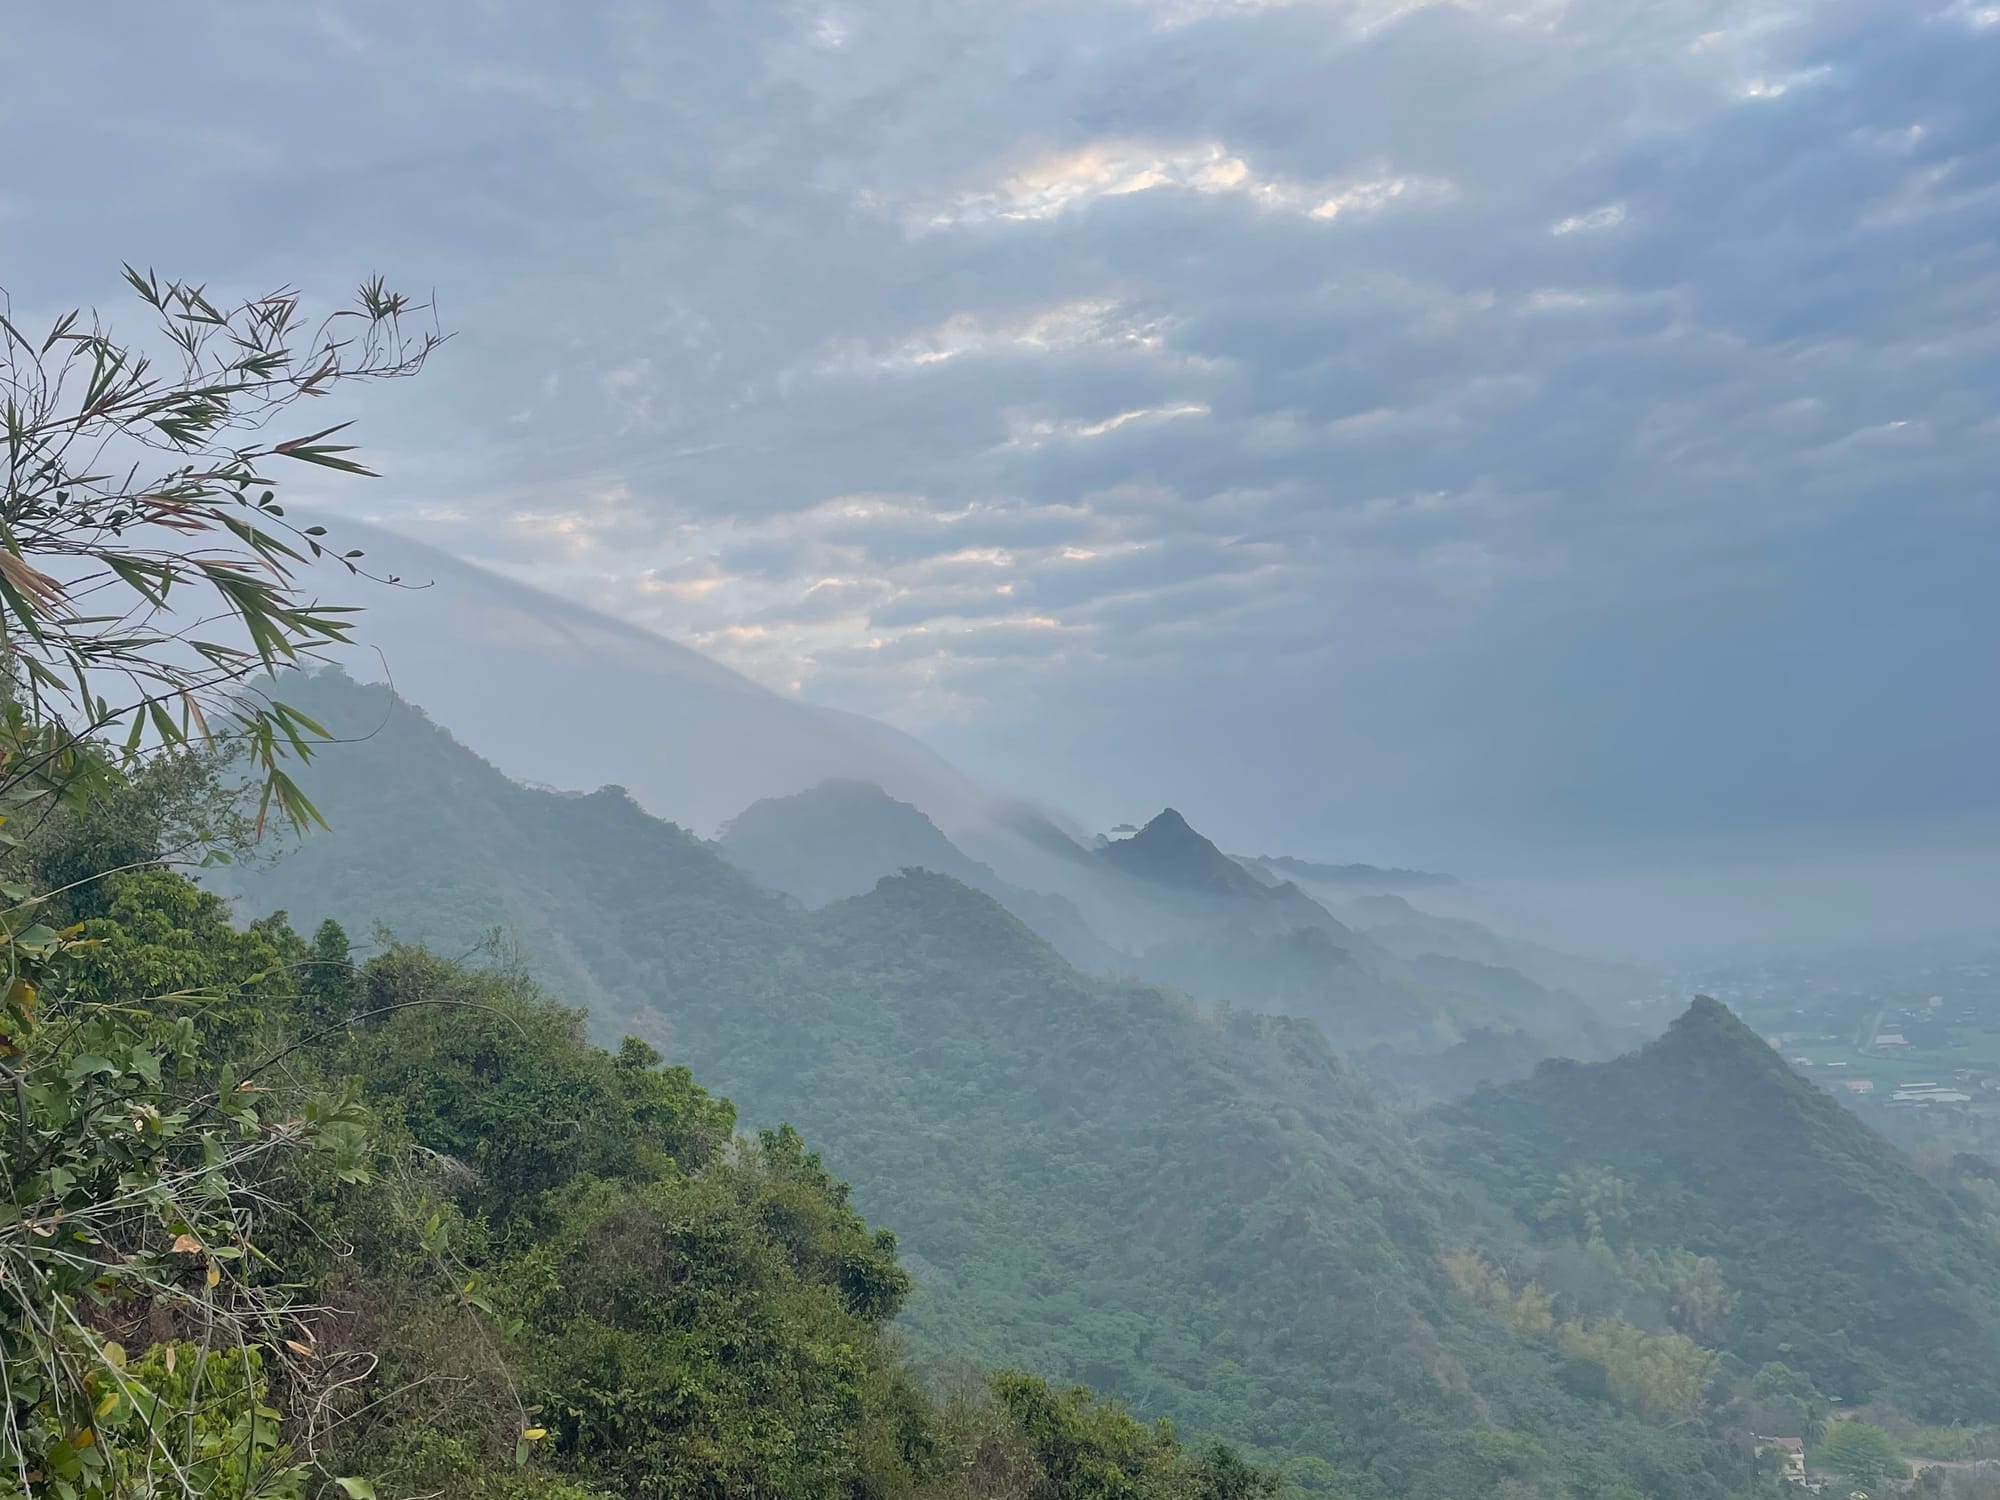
1211 1216
1841 1261
1168 905
512 1264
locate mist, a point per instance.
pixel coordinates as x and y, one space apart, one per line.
1123 750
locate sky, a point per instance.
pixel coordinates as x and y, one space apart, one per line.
1516 436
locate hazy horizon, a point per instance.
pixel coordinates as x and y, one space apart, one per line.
1550 443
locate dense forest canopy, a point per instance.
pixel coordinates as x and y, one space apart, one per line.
1841 1259
1207 1213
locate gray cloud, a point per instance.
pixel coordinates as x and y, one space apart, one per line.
1401 430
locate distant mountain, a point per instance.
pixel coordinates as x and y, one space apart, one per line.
841 837
566 696
1401 927
1168 852
838 839
1209 1214
1168 905
1844 1262
696 742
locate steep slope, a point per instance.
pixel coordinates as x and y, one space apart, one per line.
1170 855
1211 1216
1180 912
693 740
1846 1263
1409 1017
1405 929
841 837
1168 852
836 840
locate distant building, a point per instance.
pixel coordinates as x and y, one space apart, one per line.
1791 1453
1858 1085
1892 1039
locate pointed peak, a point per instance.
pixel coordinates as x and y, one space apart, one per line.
1167 829
1168 851
1708 1033
1707 1015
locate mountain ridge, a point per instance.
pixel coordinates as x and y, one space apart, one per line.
1208 1213
1850 1264
1168 905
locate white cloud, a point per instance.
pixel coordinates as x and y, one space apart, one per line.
1100 323
1608 216
1778 87
1041 429
1055 185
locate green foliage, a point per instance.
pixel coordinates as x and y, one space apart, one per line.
184 1421
219 1434
136 477
1763 1214
329 986
530 1268
144 1144
509 1088
1588 1201
1530 1312
1095 1450
1662 1377
173 944
1860 1452
187 807
138 1160
1697 1300
1207 1215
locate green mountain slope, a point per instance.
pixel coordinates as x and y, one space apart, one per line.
481 1259
1845 1262
1185 914
839 838
1210 1216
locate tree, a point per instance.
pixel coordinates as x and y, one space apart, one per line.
147 570
328 984
1090 1449
1589 1200
147 576
1861 1452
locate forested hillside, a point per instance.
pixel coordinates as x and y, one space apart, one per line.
839 838
489 1259
1092 1178
1168 905
1836 1257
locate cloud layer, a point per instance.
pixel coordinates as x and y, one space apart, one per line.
1395 429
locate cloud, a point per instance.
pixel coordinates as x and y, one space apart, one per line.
1609 216
1074 180
1419 390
